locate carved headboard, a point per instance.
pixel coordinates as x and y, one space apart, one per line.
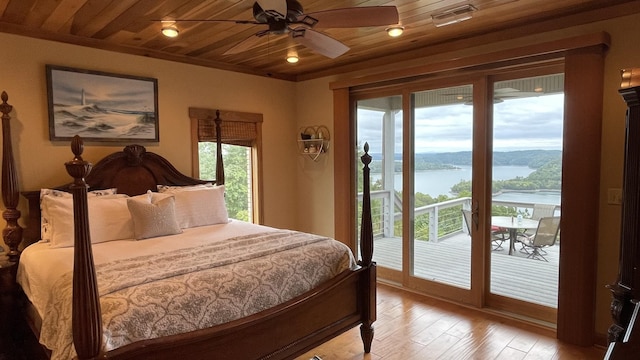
132 171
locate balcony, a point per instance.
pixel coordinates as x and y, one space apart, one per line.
442 250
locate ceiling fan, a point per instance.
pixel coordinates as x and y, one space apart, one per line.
288 17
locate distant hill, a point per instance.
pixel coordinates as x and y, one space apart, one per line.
430 161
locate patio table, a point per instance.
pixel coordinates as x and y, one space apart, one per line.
513 225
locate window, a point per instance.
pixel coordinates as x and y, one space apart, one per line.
241 148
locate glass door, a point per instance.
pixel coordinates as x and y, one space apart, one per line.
527 174
421 144
465 185
442 122
379 123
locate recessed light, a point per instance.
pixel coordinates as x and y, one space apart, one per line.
169 29
395 31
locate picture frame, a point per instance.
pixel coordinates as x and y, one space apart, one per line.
101 106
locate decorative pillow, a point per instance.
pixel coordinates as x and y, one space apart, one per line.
45 228
198 206
153 218
109 219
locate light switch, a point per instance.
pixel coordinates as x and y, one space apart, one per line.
614 196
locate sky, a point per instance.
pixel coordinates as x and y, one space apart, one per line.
519 124
108 92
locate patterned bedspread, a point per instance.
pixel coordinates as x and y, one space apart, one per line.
176 292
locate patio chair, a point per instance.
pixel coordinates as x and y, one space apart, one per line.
542 210
498 235
545 236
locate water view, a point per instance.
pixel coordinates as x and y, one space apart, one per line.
439 182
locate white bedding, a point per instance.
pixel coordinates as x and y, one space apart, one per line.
236 268
40 265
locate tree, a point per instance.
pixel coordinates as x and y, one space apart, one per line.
236 169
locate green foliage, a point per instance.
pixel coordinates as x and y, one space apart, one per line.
547 177
236 165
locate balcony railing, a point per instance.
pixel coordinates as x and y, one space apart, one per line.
431 222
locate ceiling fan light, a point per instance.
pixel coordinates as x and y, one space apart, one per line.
453 15
292 59
169 29
395 31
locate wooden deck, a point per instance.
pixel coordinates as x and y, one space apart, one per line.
449 261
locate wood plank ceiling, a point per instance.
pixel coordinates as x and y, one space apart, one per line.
128 26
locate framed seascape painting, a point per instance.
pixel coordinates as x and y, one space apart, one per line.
101 106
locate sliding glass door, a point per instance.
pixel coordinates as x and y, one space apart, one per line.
527 178
465 183
380 125
442 123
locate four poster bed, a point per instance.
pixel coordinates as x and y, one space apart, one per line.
141 261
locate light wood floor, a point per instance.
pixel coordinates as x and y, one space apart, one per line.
415 327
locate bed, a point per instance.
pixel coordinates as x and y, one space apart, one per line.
280 319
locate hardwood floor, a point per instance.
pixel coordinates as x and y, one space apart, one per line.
416 327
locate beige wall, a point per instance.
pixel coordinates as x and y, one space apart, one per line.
298 192
314 106
40 162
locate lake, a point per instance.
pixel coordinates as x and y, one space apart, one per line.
438 182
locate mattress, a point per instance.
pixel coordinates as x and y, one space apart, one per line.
166 285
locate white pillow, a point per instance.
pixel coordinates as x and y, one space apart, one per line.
198 206
109 219
45 230
153 218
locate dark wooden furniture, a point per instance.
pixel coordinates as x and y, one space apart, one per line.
302 323
8 293
11 234
624 333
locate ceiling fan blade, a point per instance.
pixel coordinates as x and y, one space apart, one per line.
248 43
319 42
275 8
356 17
253 22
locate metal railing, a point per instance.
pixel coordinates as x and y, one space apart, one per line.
431 222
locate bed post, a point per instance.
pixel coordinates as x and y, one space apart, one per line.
219 163
366 251
12 233
86 315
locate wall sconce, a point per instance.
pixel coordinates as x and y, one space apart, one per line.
395 31
453 15
169 29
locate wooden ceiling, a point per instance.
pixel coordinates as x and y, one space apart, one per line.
128 26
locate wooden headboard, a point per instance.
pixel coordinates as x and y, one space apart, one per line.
132 171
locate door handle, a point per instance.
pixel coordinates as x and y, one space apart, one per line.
475 216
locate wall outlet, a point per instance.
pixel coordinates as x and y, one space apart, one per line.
614 196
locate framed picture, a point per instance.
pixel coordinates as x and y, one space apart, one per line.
101 106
